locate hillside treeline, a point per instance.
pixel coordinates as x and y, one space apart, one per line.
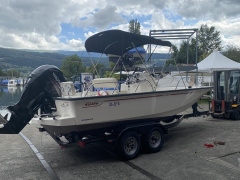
10 58
26 61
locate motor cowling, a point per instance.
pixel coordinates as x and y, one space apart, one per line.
42 86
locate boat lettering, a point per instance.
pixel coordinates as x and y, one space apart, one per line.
92 104
87 119
115 103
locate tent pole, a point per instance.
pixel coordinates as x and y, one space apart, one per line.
187 59
197 56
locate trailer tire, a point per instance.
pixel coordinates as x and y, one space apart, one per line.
236 114
153 139
227 115
213 116
129 145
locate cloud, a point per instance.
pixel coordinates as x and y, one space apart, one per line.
88 34
229 30
159 21
38 24
21 20
39 42
28 41
102 19
76 44
232 41
215 9
25 17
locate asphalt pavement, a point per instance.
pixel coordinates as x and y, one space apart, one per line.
184 155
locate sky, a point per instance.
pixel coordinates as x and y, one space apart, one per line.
66 24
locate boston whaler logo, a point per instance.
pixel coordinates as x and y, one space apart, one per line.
92 104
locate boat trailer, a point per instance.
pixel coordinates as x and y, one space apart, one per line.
43 85
127 138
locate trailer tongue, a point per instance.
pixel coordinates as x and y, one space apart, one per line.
42 85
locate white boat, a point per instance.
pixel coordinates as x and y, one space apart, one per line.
140 98
66 113
12 83
20 82
78 113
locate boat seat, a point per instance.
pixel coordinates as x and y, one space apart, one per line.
105 83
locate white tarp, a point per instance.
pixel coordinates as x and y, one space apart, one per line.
217 61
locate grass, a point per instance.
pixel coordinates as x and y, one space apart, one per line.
204 100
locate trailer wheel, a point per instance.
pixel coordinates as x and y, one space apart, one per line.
236 114
153 140
227 115
129 145
213 116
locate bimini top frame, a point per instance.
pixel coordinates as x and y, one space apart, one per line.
176 34
173 34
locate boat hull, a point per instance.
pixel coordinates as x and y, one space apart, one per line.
101 111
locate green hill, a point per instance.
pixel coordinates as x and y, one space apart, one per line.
25 61
12 57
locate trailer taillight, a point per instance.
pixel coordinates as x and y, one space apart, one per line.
81 143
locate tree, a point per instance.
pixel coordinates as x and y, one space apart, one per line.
98 67
134 26
232 52
174 56
180 55
13 73
208 39
2 73
72 65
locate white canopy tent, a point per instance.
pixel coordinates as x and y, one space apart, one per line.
217 61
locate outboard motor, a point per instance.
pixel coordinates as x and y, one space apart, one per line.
42 85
